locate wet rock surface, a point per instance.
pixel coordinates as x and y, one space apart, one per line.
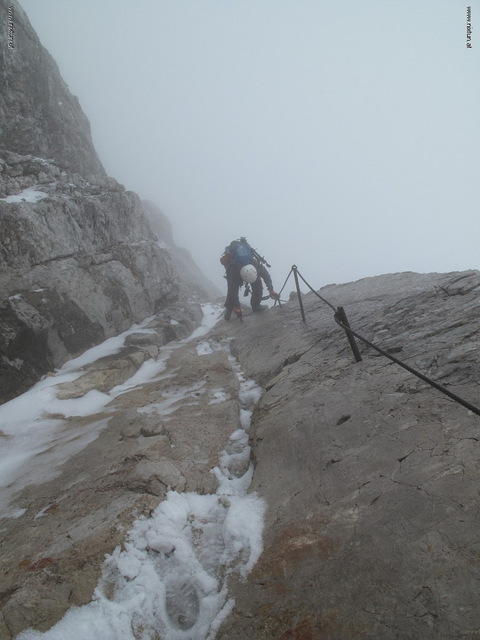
371 477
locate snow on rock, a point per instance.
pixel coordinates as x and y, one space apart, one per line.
148 371
211 315
14 513
204 348
27 195
167 582
172 397
249 392
217 396
43 512
170 577
34 421
107 347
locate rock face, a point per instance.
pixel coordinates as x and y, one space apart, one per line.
38 114
371 477
78 259
76 266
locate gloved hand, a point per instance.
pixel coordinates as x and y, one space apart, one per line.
273 295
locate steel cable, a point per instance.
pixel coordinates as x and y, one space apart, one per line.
347 328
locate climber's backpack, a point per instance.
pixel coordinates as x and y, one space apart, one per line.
240 252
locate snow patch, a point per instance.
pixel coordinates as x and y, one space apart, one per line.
211 315
44 161
43 511
172 397
217 396
147 372
16 513
245 418
27 195
170 579
109 347
204 348
34 456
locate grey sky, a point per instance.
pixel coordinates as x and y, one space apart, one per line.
342 136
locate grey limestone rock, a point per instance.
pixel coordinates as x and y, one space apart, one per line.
78 259
38 114
371 476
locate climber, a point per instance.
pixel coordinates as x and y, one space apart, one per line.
244 265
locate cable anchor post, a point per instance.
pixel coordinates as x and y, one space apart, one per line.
299 293
341 316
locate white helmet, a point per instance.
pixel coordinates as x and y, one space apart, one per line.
248 273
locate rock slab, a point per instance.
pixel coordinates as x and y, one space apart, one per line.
371 477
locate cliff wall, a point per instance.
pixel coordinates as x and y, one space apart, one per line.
78 259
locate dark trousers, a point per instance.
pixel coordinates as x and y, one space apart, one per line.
257 293
234 282
233 285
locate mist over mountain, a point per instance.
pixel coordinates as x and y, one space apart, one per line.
177 467
79 259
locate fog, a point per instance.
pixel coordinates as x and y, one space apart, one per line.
340 136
